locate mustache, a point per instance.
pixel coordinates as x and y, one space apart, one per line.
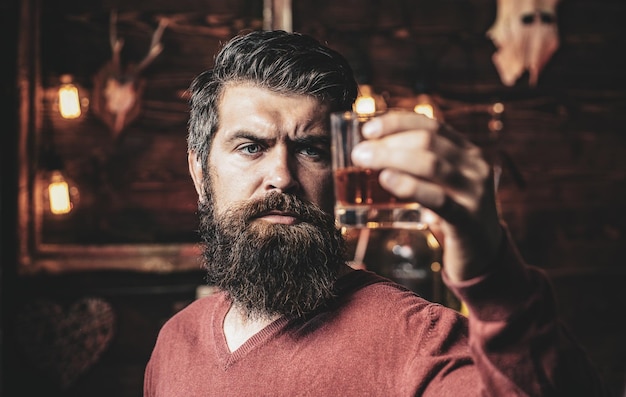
283 202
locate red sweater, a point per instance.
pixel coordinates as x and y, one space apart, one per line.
382 340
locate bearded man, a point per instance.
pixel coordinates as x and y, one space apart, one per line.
290 317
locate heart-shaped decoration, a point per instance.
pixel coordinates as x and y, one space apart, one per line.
65 343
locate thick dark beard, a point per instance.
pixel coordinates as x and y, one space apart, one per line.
272 269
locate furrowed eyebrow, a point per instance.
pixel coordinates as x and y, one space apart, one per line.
247 136
304 140
313 140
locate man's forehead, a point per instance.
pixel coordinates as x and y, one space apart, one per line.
253 106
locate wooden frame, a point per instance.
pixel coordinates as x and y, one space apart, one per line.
44 246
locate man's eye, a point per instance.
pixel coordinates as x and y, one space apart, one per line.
314 152
252 148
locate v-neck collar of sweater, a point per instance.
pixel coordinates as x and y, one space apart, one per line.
228 358
346 284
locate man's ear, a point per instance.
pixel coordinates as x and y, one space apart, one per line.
195 170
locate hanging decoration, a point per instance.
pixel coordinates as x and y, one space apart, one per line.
525 33
118 90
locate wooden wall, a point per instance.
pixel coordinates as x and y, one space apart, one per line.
562 150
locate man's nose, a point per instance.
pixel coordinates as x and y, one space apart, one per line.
281 173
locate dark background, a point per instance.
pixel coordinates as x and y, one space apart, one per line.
562 148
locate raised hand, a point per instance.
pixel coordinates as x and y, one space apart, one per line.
427 161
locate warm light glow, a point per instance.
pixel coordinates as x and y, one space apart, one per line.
425 109
498 107
69 101
59 194
432 242
365 105
426 106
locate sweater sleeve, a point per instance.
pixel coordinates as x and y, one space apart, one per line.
147 381
519 345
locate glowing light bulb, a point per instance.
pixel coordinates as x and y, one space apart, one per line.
59 194
426 106
425 109
69 102
365 105
69 99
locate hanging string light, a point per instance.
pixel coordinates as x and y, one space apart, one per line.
59 194
70 98
368 102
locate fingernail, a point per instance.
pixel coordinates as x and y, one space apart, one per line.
362 154
388 177
371 128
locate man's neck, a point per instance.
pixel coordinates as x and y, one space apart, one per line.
239 327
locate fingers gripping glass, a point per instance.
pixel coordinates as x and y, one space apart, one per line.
360 201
